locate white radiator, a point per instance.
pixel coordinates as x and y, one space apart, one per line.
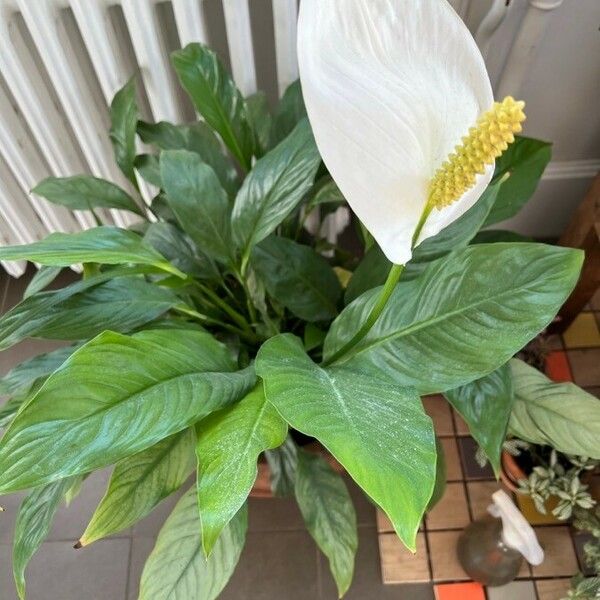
61 61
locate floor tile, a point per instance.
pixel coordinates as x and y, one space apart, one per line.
439 411
583 332
400 565
594 391
140 550
459 591
278 564
7 586
559 554
150 525
557 367
554 341
384 525
471 468
10 504
516 590
453 466
595 301
451 512
552 589
531 513
444 560
461 426
365 509
367 583
58 572
585 365
480 496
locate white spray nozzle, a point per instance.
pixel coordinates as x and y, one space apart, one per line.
517 533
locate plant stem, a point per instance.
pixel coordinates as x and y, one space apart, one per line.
384 296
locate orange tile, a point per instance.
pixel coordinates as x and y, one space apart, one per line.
553 589
583 332
399 564
453 466
459 591
557 366
451 512
439 411
559 553
527 507
444 560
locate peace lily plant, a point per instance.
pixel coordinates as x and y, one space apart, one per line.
215 333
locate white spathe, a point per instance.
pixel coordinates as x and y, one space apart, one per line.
391 87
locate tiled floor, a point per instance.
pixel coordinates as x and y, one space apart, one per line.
280 560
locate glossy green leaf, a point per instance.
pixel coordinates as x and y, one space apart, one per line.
329 193
105 245
491 236
151 385
43 277
199 202
139 483
525 161
274 187
216 98
290 111
84 192
561 415
375 428
122 304
124 117
21 378
485 404
440 476
329 515
34 520
371 272
148 166
297 277
463 317
197 137
260 121
177 568
282 464
229 444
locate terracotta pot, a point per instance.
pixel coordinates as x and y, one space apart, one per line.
511 472
262 485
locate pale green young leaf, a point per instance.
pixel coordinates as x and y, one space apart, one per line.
229 444
561 415
34 520
43 277
150 385
297 277
465 316
329 515
216 98
373 426
177 568
124 117
84 192
139 482
199 202
485 404
274 187
105 245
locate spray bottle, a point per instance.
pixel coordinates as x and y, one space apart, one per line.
491 549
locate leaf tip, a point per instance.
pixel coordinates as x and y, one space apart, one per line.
78 545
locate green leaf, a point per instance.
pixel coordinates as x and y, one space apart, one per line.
34 520
297 277
148 167
290 111
282 464
124 117
329 193
466 315
197 137
43 277
19 322
440 476
485 404
151 385
375 428
525 161
561 415
329 515
177 568
491 236
23 376
105 245
139 483
199 202
216 98
274 187
372 271
260 121
229 444
84 192
122 304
